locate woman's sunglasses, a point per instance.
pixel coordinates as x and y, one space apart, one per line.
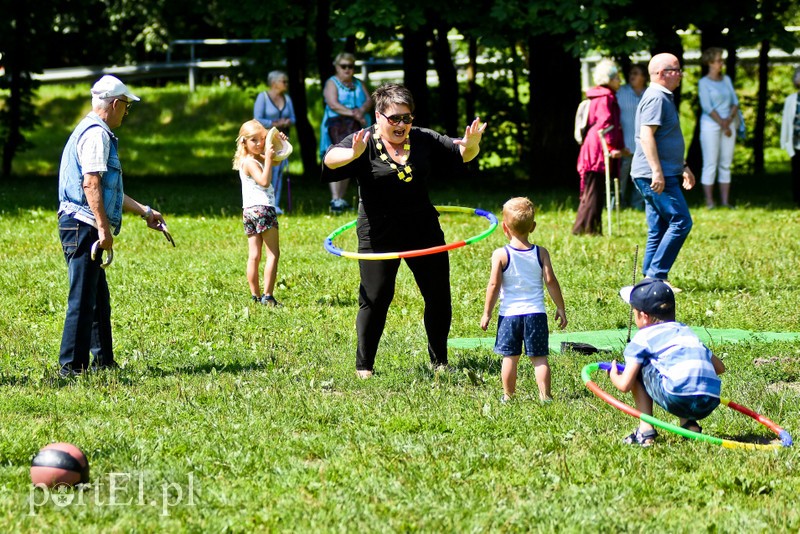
394 120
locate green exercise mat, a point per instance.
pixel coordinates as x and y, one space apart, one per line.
614 340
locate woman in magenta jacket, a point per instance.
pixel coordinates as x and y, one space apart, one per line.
604 115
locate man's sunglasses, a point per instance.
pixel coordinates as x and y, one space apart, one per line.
127 104
395 120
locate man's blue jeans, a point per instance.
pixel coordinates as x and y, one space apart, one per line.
87 327
668 222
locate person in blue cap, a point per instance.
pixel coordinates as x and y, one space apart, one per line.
665 362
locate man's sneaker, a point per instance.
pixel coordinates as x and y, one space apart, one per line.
67 371
673 288
105 366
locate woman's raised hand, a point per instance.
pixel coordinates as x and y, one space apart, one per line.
360 139
472 134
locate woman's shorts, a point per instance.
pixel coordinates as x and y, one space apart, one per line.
259 219
686 406
514 329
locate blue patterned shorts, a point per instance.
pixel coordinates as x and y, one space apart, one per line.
686 406
259 219
514 329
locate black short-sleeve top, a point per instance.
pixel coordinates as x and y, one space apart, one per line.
382 192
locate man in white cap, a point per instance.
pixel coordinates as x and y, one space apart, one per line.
91 201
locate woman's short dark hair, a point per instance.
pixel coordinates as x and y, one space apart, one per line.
392 93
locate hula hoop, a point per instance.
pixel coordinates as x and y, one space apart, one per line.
336 251
786 439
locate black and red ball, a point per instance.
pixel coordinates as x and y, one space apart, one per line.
59 464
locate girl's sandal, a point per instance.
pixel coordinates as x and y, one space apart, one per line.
645 439
270 302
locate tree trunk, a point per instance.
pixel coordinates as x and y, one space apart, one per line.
296 70
761 112
17 76
448 82
472 86
517 107
415 67
551 109
324 43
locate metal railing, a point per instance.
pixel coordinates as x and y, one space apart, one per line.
192 43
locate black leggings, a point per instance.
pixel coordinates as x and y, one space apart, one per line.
432 274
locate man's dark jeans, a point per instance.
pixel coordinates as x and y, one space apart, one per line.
87 327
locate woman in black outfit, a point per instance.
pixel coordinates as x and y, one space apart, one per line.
393 164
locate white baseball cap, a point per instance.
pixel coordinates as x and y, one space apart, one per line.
110 86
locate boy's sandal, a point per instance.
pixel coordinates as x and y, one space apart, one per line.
645 439
691 424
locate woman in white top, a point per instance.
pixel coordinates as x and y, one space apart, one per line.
790 134
254 162
718 124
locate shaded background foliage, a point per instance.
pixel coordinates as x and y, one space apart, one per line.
533 78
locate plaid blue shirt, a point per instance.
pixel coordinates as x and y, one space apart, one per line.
679 355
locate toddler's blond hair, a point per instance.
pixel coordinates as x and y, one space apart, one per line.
518 214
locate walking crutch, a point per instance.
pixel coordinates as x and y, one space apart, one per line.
607 159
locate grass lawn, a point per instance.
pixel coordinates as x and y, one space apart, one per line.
228 416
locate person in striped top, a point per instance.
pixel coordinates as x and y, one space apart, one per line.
665 362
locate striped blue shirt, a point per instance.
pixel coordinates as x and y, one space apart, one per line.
679 355
628 101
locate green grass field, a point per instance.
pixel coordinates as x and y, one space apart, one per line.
231 417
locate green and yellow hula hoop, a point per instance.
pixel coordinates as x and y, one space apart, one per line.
786 439
336 251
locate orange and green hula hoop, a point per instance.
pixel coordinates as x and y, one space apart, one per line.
783 435
336 251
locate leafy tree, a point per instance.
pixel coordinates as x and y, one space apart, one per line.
24 32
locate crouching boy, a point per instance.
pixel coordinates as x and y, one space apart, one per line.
665 362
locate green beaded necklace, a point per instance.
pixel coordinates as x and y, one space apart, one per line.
404 173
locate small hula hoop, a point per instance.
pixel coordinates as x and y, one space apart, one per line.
786 439
336 251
